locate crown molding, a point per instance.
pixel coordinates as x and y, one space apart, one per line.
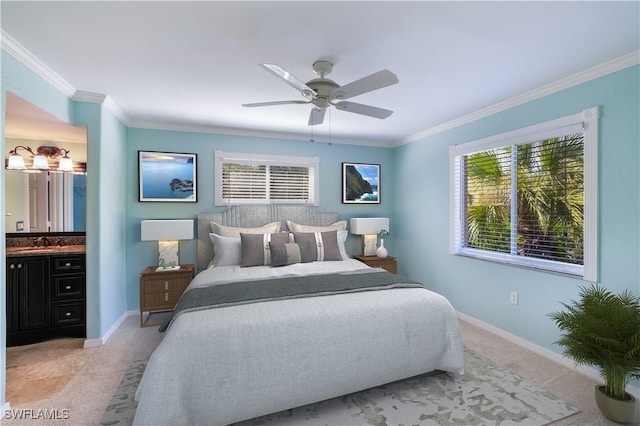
101 99
23 55
15 49
36 65
89 97
598 71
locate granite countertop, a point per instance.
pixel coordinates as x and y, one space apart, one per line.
48 250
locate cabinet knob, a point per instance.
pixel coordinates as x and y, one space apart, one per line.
19 265
166 297
68 314
67 264
12 266
67 287
166 285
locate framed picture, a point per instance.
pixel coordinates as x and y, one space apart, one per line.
167 177
360 183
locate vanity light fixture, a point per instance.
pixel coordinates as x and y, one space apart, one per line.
40 159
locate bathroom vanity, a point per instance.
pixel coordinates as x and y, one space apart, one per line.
46 287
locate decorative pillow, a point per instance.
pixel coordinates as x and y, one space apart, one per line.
233 231
318 246
227 250
337 226
285 254
256 248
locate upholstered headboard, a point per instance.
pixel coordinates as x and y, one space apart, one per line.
254 216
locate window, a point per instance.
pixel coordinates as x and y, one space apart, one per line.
255 178
529 197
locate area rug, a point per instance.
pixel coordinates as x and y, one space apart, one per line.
487 394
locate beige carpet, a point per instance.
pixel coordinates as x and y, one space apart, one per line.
88 393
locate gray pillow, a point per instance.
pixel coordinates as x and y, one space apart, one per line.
318 246
285 254
256 248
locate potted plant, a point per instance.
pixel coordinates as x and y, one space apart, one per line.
603 330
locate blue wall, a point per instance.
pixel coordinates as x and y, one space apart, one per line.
481 289
141 254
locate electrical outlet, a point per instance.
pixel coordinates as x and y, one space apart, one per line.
514 297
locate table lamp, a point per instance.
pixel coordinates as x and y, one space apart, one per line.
167 233
369 228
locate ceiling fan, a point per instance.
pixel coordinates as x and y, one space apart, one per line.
323 93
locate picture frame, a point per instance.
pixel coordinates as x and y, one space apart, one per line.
167 177
361 183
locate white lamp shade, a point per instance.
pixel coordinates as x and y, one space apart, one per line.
66 165
16 162
40 162
166 230
369 225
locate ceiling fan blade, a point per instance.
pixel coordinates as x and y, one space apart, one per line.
367 110
259 104
366 84
289 79
316 116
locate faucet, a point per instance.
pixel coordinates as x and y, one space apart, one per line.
44 240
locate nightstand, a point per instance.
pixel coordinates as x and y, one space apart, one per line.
160 291
388 263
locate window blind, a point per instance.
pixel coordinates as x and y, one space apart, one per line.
253 178
520 198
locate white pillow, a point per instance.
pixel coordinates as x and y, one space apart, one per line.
228 250
234 231
341 225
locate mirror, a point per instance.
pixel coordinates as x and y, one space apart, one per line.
45 201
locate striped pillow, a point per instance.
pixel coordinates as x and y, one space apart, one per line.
318 246
256 248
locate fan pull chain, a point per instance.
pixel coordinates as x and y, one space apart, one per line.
330 142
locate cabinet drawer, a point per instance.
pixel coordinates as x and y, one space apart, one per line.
67 286
154 285
67 263
164 300
67 313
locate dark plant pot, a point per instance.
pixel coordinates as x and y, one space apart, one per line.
614 409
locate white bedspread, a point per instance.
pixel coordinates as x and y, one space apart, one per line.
223 365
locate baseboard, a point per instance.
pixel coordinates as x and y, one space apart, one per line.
92 343
539 350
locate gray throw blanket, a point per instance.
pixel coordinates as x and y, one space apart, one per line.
244 292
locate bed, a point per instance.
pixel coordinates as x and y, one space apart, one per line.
241 360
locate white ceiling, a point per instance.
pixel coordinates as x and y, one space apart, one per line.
190 65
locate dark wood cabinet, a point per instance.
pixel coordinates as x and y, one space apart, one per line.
27 293
45 298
